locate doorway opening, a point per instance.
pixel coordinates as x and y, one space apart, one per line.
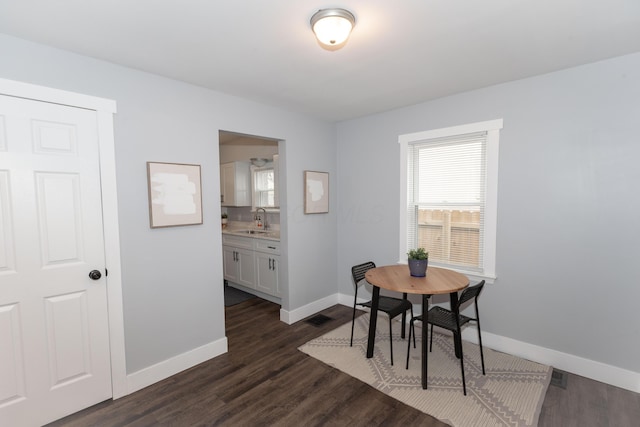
250 177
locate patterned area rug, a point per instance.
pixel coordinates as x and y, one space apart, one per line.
510 394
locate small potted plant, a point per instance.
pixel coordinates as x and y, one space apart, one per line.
418 260
224 219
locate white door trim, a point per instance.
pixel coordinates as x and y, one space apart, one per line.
105 108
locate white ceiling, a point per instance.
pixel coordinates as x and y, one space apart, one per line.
400 53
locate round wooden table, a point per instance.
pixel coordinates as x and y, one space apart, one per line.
397 278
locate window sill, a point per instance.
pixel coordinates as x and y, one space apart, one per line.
473 276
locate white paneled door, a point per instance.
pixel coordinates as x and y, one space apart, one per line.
54 335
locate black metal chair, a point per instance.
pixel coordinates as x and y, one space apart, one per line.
446 319
390 305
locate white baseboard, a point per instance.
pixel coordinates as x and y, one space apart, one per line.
290 317
598 371
160 371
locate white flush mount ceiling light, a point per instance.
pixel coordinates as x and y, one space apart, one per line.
258 161
332 26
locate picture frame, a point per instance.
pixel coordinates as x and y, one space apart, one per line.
316 192
175 194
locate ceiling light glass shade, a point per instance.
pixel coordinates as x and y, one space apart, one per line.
332 26
258 161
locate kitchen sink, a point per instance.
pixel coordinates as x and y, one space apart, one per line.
253 231
271 234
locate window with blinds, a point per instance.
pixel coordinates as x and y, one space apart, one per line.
263 187
446 198
449 196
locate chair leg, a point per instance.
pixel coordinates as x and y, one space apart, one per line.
464 387
353 321
414 333
411 326
390 341
459 333
431 339
353 318
481 353
411 330
404 317
477 319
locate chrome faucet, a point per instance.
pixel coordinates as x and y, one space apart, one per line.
258 218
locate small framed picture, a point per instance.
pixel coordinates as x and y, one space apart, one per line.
316 192
175 194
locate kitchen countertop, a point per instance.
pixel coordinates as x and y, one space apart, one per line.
253 233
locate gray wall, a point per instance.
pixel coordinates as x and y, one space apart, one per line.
172 278
568 204
567 209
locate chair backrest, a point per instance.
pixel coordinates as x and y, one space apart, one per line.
358 271
470 293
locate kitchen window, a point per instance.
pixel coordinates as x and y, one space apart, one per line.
264 185
449 191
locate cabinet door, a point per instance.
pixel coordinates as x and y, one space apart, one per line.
229 263
227 187
241 184
235 184
246 270
276 266
267 273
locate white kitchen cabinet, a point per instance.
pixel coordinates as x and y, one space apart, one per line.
229 263
252 262
235 184
238 259
267 263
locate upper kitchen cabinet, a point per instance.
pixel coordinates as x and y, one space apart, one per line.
235 184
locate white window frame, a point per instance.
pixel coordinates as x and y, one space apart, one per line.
253 170
492 127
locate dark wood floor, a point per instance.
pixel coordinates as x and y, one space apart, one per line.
265 381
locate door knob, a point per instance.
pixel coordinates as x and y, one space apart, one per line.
95 275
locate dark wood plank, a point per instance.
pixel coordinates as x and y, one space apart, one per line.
589 403
265 381
262 380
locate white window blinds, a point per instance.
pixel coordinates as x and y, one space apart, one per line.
263 187
449 196
446 199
